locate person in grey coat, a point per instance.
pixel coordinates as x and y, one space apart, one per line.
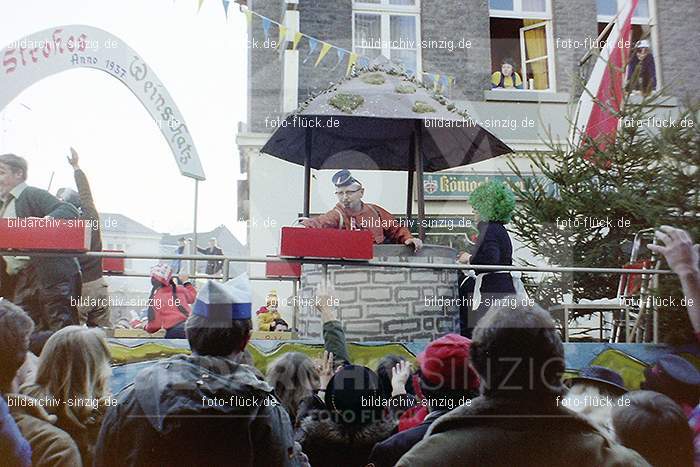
201 408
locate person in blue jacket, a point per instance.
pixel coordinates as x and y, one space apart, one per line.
15 328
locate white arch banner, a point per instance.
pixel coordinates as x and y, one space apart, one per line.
45 53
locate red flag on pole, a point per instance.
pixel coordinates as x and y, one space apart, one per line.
597 118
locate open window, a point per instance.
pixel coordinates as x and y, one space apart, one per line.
521 32
644 26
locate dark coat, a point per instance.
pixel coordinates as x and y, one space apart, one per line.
329 443
212 266
641 75
35 202
195 410
496 431
89 265
388 452
493 246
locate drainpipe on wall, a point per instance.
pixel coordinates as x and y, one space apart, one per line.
290 65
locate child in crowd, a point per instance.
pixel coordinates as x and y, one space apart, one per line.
169 303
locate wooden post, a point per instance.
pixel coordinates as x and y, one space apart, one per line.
409 181
419 171
307 174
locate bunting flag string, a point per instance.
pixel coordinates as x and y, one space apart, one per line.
354 59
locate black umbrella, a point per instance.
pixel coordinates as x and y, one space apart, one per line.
381 119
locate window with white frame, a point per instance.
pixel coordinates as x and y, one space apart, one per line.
521 34
390 28
643 26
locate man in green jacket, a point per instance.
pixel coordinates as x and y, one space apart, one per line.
519 418
46 287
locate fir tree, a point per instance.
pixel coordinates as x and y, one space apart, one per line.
645 178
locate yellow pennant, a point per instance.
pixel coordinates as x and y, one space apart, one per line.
249 17
297 38
199 6
282 36
436 81
351 61
324 50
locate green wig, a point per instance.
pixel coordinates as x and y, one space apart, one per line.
493 201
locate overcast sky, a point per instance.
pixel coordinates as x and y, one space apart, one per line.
200 58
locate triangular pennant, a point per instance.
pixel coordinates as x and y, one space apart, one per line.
226 3
351 62
436 80
199 5
443 83
282 35
313 45
341 56
324 50
297 38
249 17
266 28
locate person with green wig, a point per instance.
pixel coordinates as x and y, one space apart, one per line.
493 203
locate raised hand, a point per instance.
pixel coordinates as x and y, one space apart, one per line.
73 159
678 249
399 375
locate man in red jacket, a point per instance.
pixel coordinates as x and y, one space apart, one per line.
352 214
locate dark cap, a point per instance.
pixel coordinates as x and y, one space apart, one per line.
352 393
675 377
344 178
599 374
680 369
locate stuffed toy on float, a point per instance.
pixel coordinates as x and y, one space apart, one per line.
268 315
493 204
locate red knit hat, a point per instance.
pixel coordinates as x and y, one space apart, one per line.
445 363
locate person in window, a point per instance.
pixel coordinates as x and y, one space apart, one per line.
507 78
641 72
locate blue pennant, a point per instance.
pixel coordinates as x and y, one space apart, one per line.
266 28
